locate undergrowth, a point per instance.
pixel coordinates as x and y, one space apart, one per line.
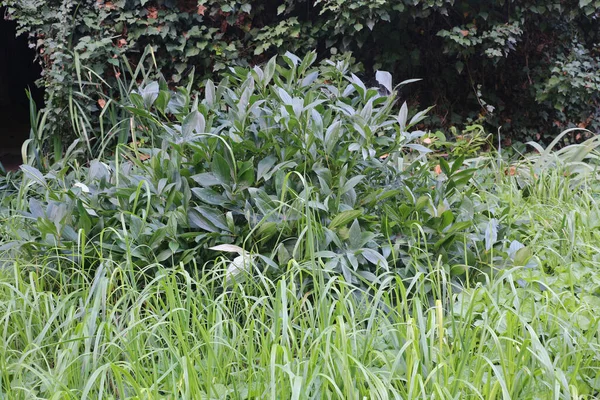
289 233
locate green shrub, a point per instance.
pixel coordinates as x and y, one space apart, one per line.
288 161
527 67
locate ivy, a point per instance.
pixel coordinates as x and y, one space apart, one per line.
532 62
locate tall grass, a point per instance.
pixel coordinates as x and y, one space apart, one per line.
480 285
529 332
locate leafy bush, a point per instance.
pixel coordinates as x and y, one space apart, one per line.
284 162
97 332
526 67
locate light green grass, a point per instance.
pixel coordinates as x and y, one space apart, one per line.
530 332
445 285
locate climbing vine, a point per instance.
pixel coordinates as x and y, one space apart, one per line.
527 66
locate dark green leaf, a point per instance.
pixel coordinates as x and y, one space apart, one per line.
209 196
221 169
343 218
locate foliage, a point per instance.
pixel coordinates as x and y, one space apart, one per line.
470 142
284 162
288 232
103 337
527 67
527 331
574 85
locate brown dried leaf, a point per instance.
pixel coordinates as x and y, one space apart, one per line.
152 12
105 5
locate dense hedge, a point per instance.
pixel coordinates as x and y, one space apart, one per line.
528 66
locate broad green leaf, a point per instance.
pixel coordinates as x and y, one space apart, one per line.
422 202
206 179
309 79
368 276
418 117
35 208
343 218
164 255
269 71
198 221
355 235
358 84
266 230
384 78
229 248
326 254
403 117
351 183
245 173
447 219
295 60
264 165
491 233
209 196
214 216
209 93
522 256
221 169
149 94
34 174
162 101
285 97
332 135
193 123
374 257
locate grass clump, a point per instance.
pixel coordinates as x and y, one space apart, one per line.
183 336
285 234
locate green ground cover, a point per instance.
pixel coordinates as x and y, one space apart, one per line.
288 233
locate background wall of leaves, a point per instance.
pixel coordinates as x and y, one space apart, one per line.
528 66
